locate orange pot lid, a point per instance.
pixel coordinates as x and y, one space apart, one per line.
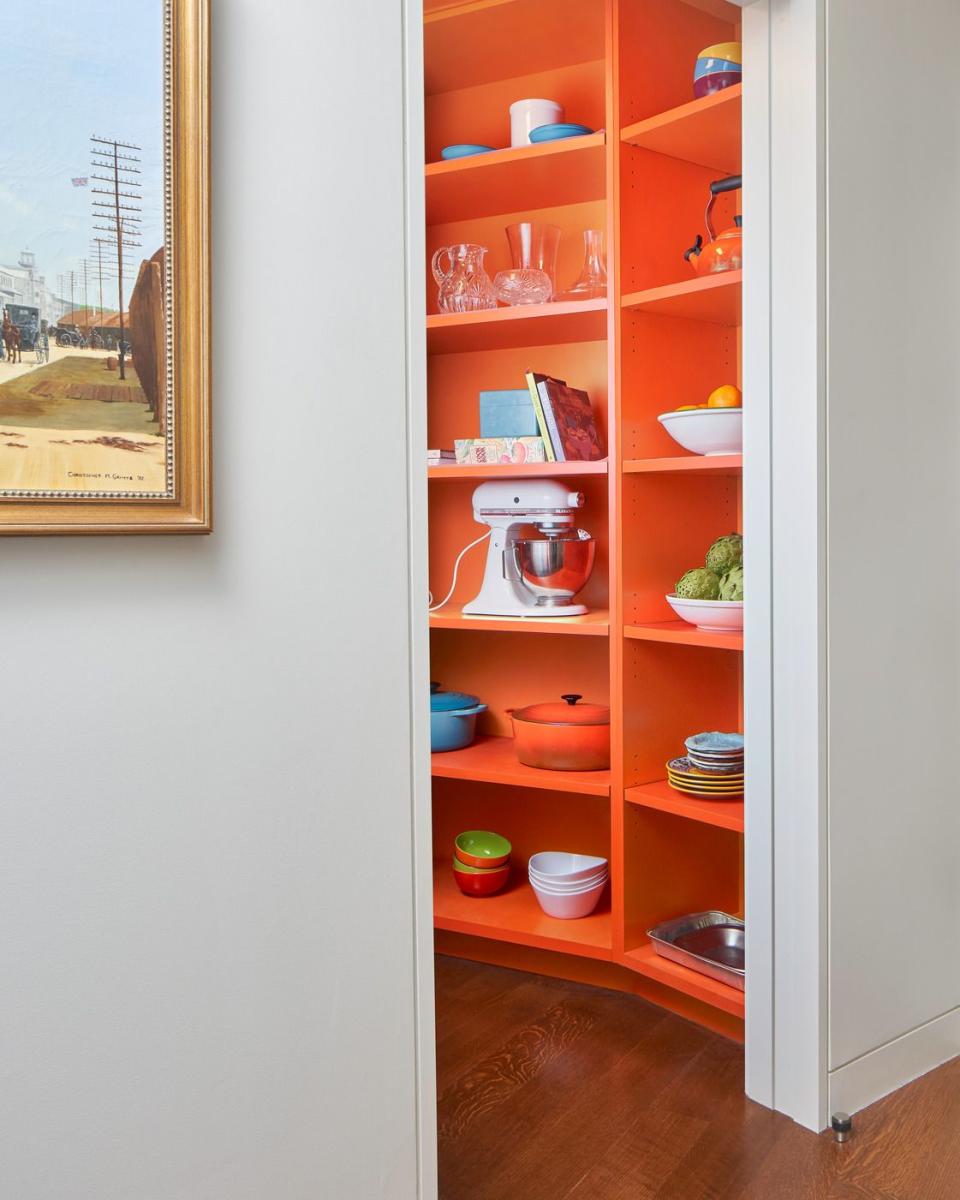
566 711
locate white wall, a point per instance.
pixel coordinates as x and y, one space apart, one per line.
205 898
893 536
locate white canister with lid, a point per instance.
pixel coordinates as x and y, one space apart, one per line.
528 114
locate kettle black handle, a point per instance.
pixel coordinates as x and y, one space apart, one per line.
731 184
572 697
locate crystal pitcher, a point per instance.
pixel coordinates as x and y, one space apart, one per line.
464 285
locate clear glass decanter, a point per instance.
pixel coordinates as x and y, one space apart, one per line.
591 283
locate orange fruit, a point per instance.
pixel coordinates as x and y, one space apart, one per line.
725 396
686 407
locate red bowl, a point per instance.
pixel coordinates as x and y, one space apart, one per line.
482 883
706 85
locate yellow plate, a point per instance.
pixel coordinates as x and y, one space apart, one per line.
687 787
729 781
733 787
709 795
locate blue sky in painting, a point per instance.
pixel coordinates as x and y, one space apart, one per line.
67 71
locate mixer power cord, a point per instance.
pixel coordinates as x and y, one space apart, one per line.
456 567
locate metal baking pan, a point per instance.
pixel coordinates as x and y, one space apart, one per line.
709 942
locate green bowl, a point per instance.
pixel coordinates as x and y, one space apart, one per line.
466 870
480 848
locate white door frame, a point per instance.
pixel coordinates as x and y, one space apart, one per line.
784 497
416 402
785 859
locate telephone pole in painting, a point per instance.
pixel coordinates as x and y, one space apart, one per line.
86 305
119 171
103 270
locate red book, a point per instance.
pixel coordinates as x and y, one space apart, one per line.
569 417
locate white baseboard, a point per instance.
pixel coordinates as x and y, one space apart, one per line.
881 1071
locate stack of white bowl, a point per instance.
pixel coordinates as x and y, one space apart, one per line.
568 885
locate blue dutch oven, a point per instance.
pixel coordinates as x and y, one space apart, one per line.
453 719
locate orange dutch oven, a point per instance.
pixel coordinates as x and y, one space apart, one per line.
563 736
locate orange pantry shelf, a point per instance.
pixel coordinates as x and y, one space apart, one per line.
594 624
682 634
716 299
706 131
517 470
515 916
646 961
493 760
521 325
545 176
725 814
716 464
497 34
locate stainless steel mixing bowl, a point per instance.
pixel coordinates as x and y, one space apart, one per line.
555 568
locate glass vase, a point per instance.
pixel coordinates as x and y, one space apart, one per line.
591 283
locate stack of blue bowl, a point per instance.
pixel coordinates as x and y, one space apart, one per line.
718 67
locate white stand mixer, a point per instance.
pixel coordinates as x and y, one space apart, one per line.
531 576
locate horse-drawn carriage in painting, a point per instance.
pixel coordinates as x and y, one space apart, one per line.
20 330
26 318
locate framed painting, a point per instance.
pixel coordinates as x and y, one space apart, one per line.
104 269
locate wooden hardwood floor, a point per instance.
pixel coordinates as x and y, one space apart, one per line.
554 1091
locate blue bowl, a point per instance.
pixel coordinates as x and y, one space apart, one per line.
463 150
553 133
709 66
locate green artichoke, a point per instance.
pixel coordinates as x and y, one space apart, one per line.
725 553
731 585
698 584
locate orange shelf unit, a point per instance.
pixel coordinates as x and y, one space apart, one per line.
569 171
647 962
522 325
679 633
594 624
623 68
716 464
494 760
517 470
705 131
467 43
725 814
515 916
714 298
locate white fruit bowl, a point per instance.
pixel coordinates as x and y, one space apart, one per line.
569 907
713 616
706 430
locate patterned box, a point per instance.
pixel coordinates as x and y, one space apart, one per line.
482 451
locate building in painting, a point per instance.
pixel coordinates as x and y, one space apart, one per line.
21 284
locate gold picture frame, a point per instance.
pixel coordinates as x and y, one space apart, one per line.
185 505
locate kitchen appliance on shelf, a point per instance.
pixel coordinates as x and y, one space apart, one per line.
724 251
464 284
537 557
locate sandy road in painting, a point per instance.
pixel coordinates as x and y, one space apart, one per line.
72 425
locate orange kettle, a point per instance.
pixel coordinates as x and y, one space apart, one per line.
724 251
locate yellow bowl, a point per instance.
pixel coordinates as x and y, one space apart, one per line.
729 51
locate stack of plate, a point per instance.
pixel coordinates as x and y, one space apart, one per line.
712 767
